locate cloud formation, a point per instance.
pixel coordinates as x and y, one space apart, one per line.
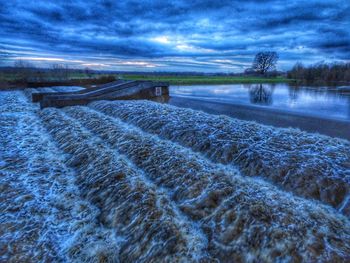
173 35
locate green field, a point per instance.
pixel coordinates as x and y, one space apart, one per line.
193 80
172 79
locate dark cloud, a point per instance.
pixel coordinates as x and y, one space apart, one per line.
170 35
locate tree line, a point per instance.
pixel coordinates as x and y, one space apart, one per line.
321 73
26 71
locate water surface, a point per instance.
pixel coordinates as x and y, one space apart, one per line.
322 102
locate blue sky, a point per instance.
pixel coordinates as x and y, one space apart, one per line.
206 36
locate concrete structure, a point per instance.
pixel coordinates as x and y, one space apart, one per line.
38 94
116 90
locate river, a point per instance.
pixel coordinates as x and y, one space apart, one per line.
322 110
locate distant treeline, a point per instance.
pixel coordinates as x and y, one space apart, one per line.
334 73
24 74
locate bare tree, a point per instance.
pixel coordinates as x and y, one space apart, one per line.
321 73
60 72
265 61
88 72
24 70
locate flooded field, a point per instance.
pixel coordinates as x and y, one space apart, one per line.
130 181
327 102
323 110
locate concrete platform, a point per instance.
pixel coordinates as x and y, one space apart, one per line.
38 94
112 91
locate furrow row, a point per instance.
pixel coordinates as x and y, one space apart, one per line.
244 219
12 102
40 207
152 227
309 165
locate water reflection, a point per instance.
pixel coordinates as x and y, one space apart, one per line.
293 94
260 94
321 101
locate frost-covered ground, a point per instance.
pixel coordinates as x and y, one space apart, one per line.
83 184
42 216
309 165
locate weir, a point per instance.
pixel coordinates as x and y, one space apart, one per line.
38 94
120 89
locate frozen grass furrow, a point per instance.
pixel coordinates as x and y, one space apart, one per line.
14 102
245 220
40 207
152 227
309 165
28 93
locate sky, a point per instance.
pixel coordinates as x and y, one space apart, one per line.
183 35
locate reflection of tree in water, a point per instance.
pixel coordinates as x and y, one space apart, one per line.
293 93
260 94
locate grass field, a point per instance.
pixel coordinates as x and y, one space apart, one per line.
172 79
193 80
